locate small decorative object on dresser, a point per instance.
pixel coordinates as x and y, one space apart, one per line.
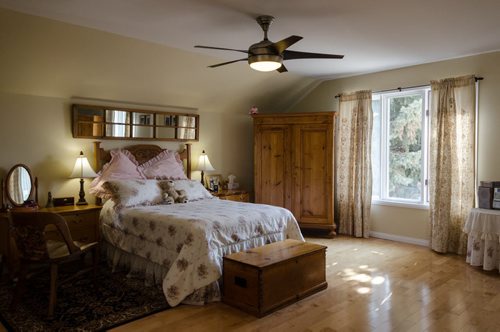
231 184
233 195
50 201
213 182
253 110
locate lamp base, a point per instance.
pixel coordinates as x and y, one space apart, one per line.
82 200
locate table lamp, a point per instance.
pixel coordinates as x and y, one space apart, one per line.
204 165
82 170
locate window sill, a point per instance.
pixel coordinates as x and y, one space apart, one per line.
401 204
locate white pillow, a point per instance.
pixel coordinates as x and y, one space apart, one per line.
194 189
127 193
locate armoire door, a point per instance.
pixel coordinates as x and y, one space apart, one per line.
312 175
272 165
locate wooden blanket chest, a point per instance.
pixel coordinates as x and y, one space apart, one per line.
267 278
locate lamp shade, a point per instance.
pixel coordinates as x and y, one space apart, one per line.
204 163
82 168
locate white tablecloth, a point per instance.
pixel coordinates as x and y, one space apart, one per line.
483 242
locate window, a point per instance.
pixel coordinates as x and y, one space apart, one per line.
400 147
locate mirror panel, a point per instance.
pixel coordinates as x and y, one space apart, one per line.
142 131
166 120
112 123
142 118
186 128
117 116
19 184
185 133
187 121
90 122
165 132
117 123
117 130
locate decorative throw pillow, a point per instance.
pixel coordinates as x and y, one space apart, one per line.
194 189
166 165
127 193
121 166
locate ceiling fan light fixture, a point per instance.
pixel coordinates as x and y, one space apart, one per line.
265 62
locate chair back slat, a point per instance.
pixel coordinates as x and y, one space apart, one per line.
30 242
29 233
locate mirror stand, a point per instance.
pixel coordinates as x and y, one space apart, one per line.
3 208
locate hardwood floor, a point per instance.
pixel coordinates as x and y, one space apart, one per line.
374 285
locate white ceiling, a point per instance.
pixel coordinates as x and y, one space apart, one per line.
373 35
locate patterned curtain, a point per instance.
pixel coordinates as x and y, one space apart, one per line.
353 169
451 188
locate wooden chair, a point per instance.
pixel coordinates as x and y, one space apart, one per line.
35 250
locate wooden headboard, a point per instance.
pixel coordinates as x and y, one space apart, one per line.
142 153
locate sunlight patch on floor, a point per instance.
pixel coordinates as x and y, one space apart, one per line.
363 290
378 280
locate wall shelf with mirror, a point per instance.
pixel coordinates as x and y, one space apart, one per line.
107 122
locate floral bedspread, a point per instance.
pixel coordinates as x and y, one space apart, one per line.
190 239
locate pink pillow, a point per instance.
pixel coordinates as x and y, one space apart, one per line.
122 166
166 165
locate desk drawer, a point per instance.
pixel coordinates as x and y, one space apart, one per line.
83 226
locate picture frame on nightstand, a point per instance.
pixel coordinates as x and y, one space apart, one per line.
213 182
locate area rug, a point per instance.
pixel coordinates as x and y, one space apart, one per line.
82 305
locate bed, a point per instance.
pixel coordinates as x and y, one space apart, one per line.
181 246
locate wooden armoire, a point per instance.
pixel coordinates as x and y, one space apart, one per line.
293 165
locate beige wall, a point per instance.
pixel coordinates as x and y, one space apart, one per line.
413 222
46 65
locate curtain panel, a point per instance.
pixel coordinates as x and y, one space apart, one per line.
452 161
353 172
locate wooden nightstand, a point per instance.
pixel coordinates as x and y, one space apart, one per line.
83 221
233 195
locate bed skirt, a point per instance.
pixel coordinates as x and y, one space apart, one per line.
153 274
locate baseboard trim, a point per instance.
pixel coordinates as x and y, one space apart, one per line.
399 238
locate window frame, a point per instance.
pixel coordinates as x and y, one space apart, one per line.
384 198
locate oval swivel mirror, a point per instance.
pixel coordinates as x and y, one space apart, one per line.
19 185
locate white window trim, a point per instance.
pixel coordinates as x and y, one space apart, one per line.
384 200
399 203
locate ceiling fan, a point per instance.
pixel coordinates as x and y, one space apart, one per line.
266 55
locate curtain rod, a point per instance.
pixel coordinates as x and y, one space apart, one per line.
409 87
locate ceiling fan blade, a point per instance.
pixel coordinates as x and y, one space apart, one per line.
293 55
282 69
286 43
221 48
226 63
